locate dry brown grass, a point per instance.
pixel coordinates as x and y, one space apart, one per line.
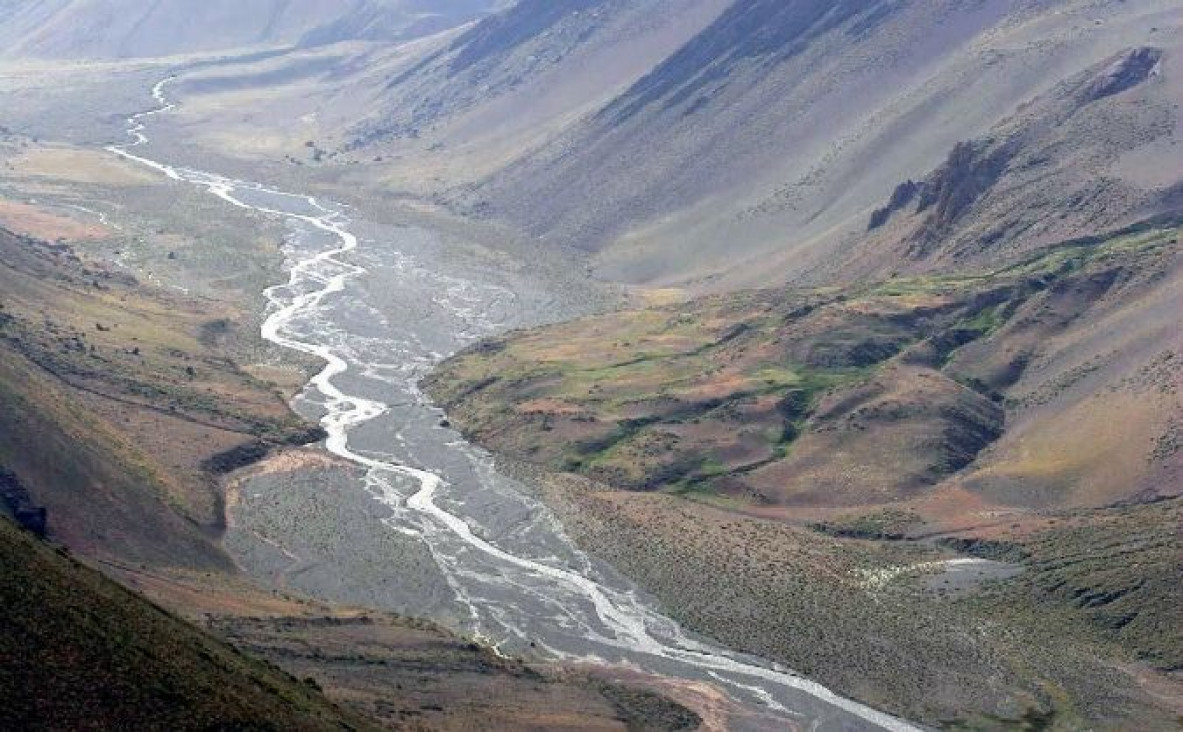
77 165
41 224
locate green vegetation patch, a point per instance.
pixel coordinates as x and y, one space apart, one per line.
659 399
889 524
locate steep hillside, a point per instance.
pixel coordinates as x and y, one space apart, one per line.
470 106
120 408
767 141
1075 159
77 651
73 29
521 46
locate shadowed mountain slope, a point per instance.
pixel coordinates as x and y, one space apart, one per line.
520 76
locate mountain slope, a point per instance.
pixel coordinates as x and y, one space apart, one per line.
69 29
534 40
77 651
767 140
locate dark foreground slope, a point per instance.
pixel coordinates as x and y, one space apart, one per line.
77 651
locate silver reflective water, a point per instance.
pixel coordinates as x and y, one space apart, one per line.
524 587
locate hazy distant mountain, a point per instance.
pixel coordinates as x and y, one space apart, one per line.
387 20
141 28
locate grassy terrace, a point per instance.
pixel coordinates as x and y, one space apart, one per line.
728 395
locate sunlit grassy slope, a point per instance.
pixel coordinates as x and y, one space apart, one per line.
795 397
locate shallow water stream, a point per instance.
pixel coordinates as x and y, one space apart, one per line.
424 524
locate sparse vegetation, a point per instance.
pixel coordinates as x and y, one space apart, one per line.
763 396
871 400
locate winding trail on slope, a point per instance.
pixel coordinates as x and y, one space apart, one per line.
630 624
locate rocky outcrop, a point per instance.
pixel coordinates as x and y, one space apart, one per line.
969 172
903 195
1127 71
249 453
16 501
236 458
1053 155
999 551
